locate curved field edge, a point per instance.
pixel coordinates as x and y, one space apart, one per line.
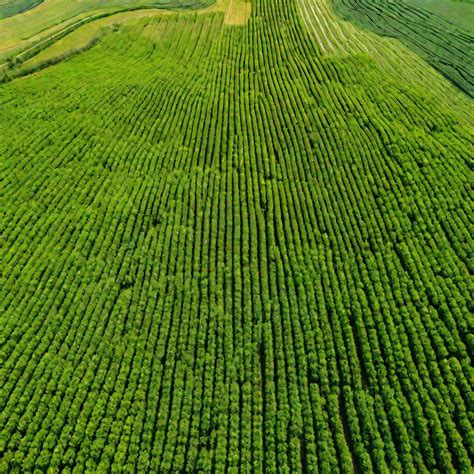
51 20
338 37
82 38
9 8
83 35
446 45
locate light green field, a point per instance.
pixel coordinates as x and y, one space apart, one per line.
237 239
236 12
52 16
84 35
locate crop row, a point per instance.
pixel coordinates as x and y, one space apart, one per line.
444 45
233 253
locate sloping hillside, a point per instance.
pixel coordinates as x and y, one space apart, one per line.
238 246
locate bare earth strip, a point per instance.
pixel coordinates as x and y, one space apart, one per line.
238 13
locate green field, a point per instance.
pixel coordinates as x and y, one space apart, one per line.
52 18
441 31
236 239
14 7
458 12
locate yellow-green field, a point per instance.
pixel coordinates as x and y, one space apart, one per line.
52 16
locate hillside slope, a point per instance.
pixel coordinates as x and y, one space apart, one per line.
20 34
226 248
443 33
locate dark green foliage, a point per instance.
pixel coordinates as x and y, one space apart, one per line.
13 7
447 46
223 251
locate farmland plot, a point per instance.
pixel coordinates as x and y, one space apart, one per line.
227 249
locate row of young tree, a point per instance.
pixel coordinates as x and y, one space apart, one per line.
233 253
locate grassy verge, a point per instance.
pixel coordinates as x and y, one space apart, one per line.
30 60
